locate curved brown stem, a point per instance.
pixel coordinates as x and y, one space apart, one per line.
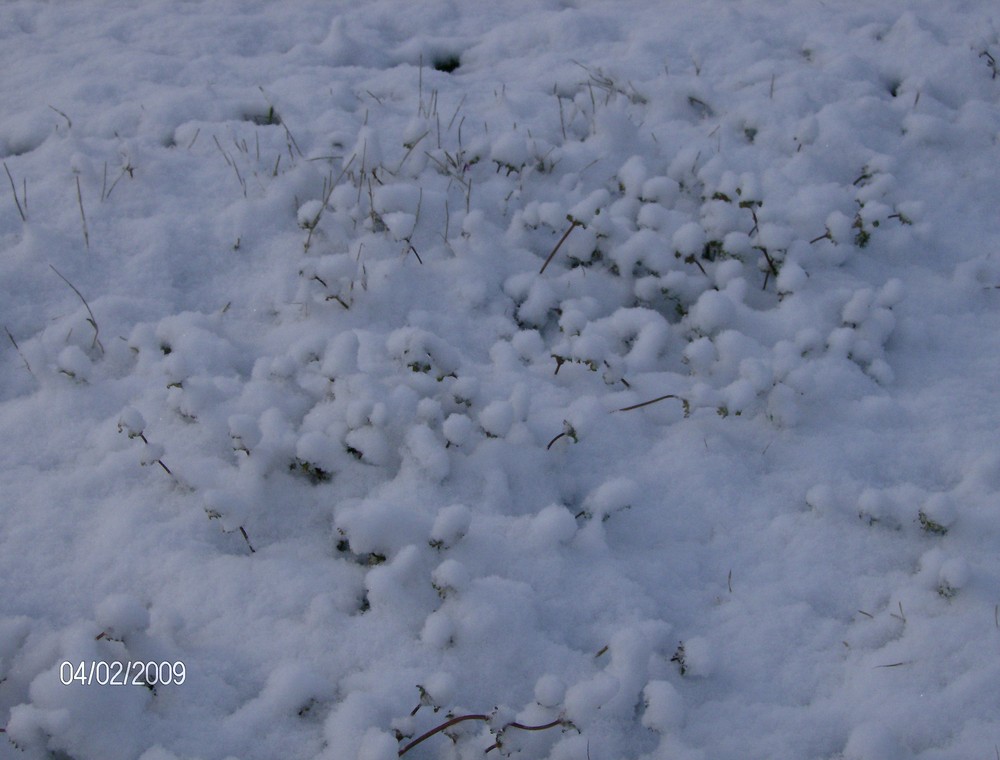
484 718
646 403
553 724
439 729
554 440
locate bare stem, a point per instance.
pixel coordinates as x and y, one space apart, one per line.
113 185
69 124
13 188
18 349
413 145
485 718
552 442
438 729
83 216
647 403
93 320
326 198
457 109
572 226
523 727
247 539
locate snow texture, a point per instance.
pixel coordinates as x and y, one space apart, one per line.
564 364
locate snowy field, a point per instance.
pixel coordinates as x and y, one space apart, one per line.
624 370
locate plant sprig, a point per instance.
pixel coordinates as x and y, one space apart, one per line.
91 319
485 719
22 210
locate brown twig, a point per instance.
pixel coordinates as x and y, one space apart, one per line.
647 403
485 718
561 435
438 729
24 216
124 171
247 539
69 124
142 437
83 216
409 247
18 349
772 269
522 727
496 745
574 223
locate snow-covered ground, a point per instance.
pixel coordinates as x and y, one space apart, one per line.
627 368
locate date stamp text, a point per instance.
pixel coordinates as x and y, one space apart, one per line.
116 673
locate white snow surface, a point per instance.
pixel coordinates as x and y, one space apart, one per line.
290 406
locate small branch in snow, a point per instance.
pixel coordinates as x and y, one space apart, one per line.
69 124
13 188
485 719
991 62
438 729
573 224
568 432
127 169
409 247
293 143
221 150
18 349
771 268
247 539
455 115
522 727
409 150
92 319
420 86
648 403
562 120
132 424
328 191
83 216
561 435
901 617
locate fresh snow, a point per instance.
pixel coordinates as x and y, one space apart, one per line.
624 368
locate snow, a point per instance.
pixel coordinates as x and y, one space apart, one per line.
664 707
291 403
450 525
